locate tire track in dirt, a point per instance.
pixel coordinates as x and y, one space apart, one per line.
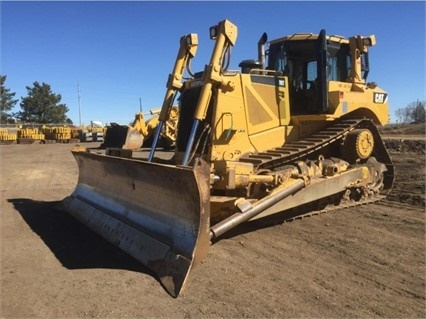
366 261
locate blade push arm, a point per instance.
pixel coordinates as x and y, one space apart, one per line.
225 33
187 50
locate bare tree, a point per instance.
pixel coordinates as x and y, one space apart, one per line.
415 112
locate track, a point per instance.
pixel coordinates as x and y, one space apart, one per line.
331 136
342 205
327 142
300 150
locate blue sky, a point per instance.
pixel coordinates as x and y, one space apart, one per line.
122 52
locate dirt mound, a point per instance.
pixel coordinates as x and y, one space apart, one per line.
403 129
405 146
408 157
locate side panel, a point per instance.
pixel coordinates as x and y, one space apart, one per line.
268 110
345 98
230 131
269 139
266 101
250 118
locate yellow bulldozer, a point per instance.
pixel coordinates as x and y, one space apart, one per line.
140 132
289 133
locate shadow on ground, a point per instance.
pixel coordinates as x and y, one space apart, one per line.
75 245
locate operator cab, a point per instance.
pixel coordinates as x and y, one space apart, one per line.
310 61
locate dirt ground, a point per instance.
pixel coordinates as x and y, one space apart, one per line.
363 262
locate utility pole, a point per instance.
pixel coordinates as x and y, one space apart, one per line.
79 108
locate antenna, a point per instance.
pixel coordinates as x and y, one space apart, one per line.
140 105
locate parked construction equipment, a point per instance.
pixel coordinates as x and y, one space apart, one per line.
29 135
290 133
140 132
7 137
93 133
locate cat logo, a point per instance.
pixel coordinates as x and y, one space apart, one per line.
380 98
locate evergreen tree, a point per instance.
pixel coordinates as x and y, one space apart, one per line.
6 101
41 105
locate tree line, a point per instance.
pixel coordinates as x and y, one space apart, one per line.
414 112
40 105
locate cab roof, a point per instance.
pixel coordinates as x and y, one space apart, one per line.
309 36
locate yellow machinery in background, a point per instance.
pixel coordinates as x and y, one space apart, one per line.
41 133
7 137
140 132
59 134
29 135
95 132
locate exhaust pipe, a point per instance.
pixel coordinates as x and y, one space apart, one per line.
261 49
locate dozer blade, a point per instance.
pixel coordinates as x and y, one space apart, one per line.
123 136
158 214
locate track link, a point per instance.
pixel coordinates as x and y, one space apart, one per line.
287 217
299 150
343 205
